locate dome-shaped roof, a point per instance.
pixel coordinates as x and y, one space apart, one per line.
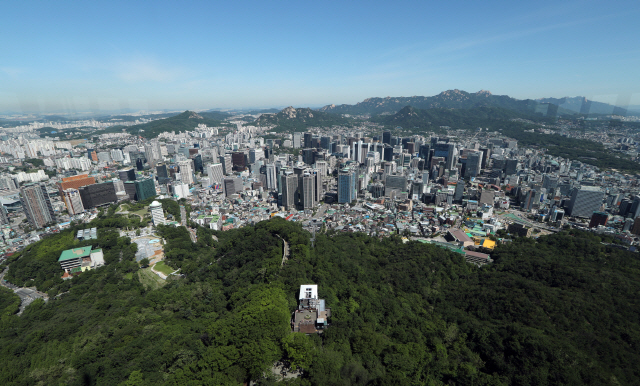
155 203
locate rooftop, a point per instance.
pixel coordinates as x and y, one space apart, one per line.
75 253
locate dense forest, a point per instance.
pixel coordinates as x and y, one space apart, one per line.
562 309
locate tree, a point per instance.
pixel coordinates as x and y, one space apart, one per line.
137 232
144 262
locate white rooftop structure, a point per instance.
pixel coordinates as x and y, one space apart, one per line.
308 291
157 215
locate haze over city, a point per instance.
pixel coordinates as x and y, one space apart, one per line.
67 57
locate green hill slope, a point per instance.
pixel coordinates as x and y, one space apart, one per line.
562 309
291 119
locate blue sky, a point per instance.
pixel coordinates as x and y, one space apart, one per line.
98 56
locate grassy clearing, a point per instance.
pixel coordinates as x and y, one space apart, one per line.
150 280
162 267
142 212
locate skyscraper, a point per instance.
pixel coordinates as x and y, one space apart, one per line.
37 205
127 174
157 215
386 137
585 201
346 186
73 201
145 188
98 194
216 173
272 183
186 171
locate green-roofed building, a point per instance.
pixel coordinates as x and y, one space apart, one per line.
72 258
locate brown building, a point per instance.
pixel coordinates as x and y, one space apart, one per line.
74 182
636 226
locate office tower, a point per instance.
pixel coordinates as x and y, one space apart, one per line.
227 165
308 156
598 218
411 147
346 186
181 190
318 191
446 151
229 185
325 143
271 177
474 162
549 182
157 215
139 163
74 182
289 184
386 137
7 183
308 191
308 140
130 189
4 219
297 140
216 173
162 173
511 166
127 174
145 188
197 163
395 182
118 185
585 201
323 167
37 205
72 199
529 200
117 155
459 193
98 194
255 155
186 171
92 155
238 161
634 210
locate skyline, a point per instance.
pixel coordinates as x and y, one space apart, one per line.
66 57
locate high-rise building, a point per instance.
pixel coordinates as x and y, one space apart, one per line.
346 186
145 188
37 205
74 182
459 193
511 166
186 171
446 151
157 215
386 137
130 190
308 140
127 174
73 201
162 173
289 185
308 191
272 182
474 162
395 182
238 160
308 156
197 163
598 218
297 140
98 194
216 173
227 165
585 201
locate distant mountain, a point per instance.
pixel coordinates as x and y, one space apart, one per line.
456 99
181 122
217 115
410 117
582 105
292 118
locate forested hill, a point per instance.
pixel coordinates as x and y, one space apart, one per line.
560 310
290 119
187 120
450 99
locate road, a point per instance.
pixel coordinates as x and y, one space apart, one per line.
27 295
320 212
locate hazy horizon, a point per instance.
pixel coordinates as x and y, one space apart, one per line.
69 57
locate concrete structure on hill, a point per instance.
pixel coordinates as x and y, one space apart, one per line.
312 315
